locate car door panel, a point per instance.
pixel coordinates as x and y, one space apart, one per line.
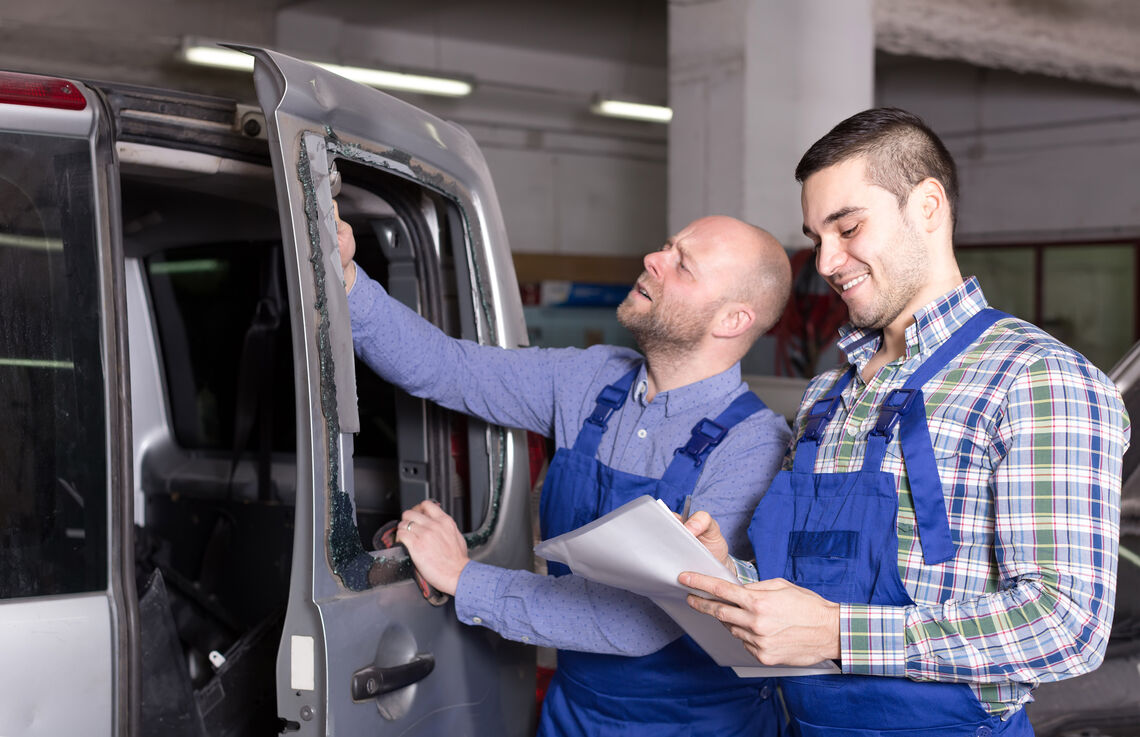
356 615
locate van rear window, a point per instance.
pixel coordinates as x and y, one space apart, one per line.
53 448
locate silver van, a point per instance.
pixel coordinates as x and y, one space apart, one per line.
193 470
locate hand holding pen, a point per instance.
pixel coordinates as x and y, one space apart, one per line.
707 531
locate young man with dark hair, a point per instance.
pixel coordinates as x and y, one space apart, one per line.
947 522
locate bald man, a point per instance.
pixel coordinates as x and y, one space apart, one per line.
704 297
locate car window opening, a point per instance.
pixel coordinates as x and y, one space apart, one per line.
440 302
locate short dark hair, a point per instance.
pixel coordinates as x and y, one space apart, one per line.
901 151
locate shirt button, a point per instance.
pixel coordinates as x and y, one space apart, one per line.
525 638
641 433
765 693
477 620
984 731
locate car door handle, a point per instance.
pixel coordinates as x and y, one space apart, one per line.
370 682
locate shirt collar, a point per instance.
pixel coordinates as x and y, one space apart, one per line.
933 324
684 398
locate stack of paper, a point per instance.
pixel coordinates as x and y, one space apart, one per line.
642 547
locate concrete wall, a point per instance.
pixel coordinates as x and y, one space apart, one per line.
1040 159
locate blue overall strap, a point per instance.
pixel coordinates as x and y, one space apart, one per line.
610 399
685 468
815 421
906 407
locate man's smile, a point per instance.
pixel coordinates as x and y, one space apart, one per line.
844 286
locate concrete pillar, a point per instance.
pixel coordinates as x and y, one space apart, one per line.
752 84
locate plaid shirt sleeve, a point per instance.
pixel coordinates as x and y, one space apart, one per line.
1056 452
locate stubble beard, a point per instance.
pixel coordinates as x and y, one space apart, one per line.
663 330
905 277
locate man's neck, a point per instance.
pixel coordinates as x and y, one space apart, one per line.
893 346
894 335
665 372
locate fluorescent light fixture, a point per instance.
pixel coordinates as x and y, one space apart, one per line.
215 56
400 81
207 54
632 110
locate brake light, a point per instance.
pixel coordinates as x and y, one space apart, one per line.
30 89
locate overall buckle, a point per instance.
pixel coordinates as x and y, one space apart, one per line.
706 434
609 399
819 415
897 404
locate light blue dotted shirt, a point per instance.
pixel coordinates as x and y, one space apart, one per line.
551 391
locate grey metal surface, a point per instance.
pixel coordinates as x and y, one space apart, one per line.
84 638
480 684
1126 374
50 641
122 596
1105 702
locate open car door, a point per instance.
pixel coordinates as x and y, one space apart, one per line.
363 651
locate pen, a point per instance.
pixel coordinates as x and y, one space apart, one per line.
685 511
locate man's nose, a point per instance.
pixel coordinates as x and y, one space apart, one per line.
653 263
830 257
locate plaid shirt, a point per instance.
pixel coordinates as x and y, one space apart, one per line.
1028 438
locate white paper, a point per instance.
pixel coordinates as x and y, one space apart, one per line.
642 547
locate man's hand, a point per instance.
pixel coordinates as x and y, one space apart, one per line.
346 244
436 545
779 622
707 531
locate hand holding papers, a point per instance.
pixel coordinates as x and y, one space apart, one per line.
642 547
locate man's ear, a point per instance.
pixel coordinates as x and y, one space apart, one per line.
929 204
733 319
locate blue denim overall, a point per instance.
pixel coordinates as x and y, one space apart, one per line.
834 533
677 691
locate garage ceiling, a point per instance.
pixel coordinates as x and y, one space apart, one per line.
1087 40
631 31
133 40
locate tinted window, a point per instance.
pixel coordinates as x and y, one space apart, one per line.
53 468
217 306
227 351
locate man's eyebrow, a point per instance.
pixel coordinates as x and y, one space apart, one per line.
687 257
842 213
838 214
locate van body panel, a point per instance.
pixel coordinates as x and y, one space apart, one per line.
346 612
